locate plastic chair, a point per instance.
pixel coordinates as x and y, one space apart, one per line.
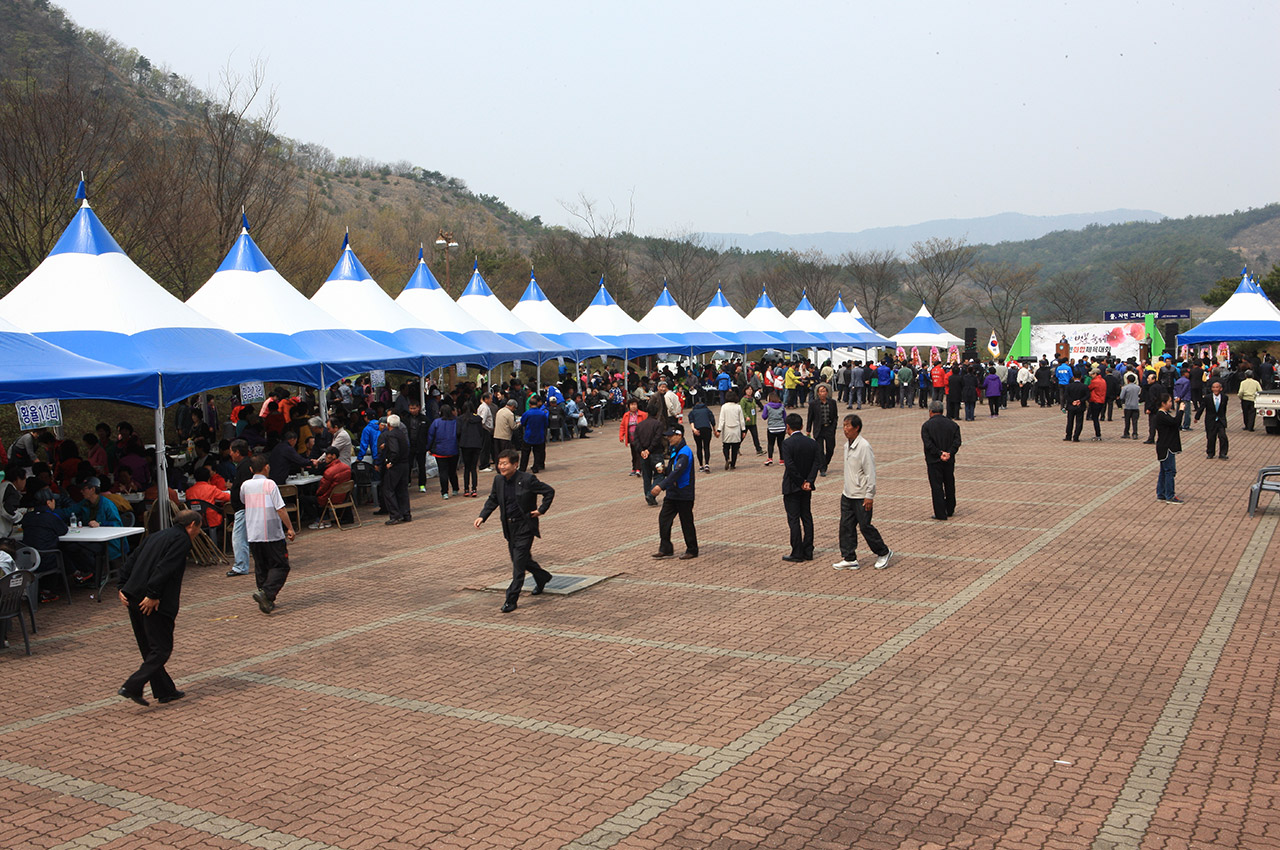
342 491
204 551
13 592
28 559
289 493
1268 482
55 566
365 483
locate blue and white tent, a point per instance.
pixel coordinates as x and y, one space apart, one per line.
249 297
425 298
604 319
721 319
478 300
352 296
769 318
1247 314
808 319
853 324
667 319
923 331
537 311
38 369
90 298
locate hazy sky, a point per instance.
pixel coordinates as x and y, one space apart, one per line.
751 116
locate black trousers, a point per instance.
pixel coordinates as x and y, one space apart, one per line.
470 468
636 460
1111 406
671 508
447 466
853 516
702 442
942 486
154 634
755 435
646 476
800 520
395 490
539 452
1095 416
419 460
270 565
1131 419
827 446
486 450
1075 422
1215 438
1248 413
953 406
775 437
499 446
731 453
520 545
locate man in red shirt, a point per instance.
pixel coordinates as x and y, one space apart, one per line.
205 491
335 473
1097 401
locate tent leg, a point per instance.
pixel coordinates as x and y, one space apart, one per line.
324 397
162 463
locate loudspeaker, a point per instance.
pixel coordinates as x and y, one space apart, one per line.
971 338
1171 337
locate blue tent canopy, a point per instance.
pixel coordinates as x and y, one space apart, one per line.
1248 314
604 319
42 370
537 311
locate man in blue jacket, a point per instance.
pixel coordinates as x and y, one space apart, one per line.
369 446
534 422
1063 373
678 484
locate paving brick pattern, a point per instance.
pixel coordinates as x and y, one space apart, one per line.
1067 663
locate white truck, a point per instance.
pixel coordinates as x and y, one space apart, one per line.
1267 406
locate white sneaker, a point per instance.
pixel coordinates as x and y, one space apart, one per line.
883 560
487 469
845 565
316 525
444 495
422 488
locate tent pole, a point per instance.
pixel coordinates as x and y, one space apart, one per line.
162 462
324 397
422 387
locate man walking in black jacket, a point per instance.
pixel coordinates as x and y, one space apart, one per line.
416 425
941 438
823 414
150 585
1075 397
516 492
393 454
800 464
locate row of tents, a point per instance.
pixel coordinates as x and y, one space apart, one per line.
89 323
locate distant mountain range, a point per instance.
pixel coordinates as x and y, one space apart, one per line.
990 230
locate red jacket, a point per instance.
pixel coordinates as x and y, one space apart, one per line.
207 492
623 428
1097 390
334 474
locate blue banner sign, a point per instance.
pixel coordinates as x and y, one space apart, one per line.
1141 315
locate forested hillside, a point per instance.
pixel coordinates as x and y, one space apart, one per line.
170 167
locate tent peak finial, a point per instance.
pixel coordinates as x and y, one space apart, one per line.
244 221
82 193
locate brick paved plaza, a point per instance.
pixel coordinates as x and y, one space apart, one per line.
1066 664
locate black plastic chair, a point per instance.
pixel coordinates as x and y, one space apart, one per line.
13 592
51 564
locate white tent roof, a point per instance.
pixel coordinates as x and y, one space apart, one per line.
808 319
1247 314
427 301
603 318
666 318
354 297
537 311
924 330
852 322
769 318
720 318
478 300
282 318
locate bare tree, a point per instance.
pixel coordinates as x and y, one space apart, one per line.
1070 294
48 136
876 277
1148 283
936 269
688 265
808 272
571 262
1000 293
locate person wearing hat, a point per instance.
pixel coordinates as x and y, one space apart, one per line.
679 487
93 511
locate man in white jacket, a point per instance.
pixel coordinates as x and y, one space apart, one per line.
857 499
